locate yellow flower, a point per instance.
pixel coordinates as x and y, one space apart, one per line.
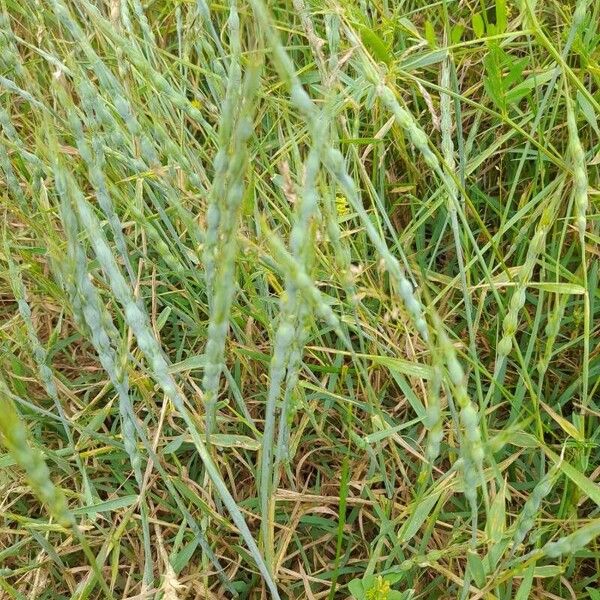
341 205
379 591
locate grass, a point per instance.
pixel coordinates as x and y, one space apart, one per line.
299 299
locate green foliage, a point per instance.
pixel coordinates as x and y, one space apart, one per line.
299 299
379 587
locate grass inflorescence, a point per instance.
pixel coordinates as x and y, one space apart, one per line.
300 299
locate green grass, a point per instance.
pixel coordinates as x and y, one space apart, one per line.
299 299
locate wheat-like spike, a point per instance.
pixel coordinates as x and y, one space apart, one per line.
289 338
14 438
574 542
101 330
137 319
526 518
41 358
104 337
221 163
224 276
93 157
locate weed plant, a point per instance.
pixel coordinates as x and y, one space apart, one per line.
299 299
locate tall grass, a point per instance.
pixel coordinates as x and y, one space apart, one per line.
300 299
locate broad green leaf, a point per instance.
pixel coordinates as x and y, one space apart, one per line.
430 33
221 440
496 521
417 516
548 571
526 582
594 593
564 424
401 365
558 288
163 318
456 33
476 568
375 45
393 578
478 25
493 81
174 445
355 587
423 59
224 440
409 26
189 364
518 92
588 111
501 16
183 557
495 553
385 431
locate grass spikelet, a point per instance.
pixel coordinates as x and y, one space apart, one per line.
526 518
14 438
105 338
12 183
221 163
551 330
334 162
510 322
94 158
471 445
159 82
580 202
304 283
289 338
580 178
41 358
224 277
434 421
404 288
574 542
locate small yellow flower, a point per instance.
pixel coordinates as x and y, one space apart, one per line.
379 591
341 205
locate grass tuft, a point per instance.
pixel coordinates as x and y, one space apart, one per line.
299 299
